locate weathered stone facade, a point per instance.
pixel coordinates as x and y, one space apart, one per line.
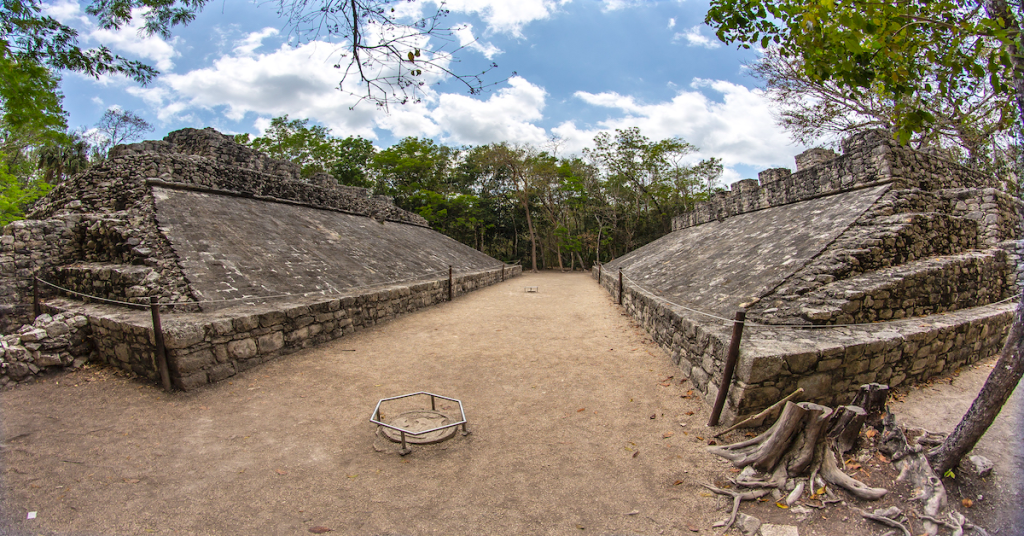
210 347
908 257
205 225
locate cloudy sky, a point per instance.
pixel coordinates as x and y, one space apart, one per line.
567 69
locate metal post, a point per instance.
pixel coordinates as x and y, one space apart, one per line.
405 448
450 284
161 351
730 366
598 275
36 309
432 407
620 286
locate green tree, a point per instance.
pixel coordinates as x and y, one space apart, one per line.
352 158
64 157
415 164
311 147
902 48
16 195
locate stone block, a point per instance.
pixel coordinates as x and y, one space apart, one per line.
242 349
183 335
193 362
246 324
816 385
754 371
829 364
187 382
221 372
270 342
802 362
222 327
272 319
47 360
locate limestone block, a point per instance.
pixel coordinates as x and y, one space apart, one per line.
816 385
183 335
195 361
270 342
242 349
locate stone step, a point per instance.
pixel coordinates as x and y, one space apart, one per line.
120 282
917 288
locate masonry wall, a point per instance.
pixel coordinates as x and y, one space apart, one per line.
830 363
207 348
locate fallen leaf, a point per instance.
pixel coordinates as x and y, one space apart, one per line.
667 435
581 409
784 506
700 438
967 503
352 476
664 384
320 530
870 433
637 453
581 527
281 471
132 480
883 458
688 413
677 482
712 442
633 513
653 415
682 381
692 528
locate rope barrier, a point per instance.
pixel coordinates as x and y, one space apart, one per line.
751 323
324 292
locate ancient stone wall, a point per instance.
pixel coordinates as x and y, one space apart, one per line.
207 348
882 264
829 364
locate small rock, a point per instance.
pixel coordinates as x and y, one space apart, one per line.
779 530
979 465
33 334
747 524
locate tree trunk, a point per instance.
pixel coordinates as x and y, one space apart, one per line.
533 236
997 389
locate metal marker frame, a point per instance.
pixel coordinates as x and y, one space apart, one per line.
375 417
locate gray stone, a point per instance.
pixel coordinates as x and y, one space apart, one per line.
979 465
242 349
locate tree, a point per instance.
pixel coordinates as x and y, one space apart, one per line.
514 166
352 158
972 126
26 35
311 147
858 44
63 158
119 126
415 164
900 47
391 60
17 195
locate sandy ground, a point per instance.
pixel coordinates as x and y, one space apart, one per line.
575 427
575 418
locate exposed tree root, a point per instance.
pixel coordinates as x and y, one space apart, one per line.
885 517
737 498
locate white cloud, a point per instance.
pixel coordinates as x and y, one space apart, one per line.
468 40
671 23
298 81
507 115
248 45
506 16
66 11
129 39
738 128
695 38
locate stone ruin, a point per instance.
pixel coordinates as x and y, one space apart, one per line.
248 260
880 265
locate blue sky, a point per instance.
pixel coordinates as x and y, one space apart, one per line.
582 67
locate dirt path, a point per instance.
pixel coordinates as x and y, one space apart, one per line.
575 430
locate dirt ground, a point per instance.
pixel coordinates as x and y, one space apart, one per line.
580 425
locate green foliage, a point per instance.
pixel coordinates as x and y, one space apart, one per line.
26 35
902 48
17 195
30 98
352 157
315 150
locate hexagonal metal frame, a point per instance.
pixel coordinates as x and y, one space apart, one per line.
375 418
